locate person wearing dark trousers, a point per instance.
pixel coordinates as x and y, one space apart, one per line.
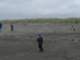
40 42
12 27
0 27
73 28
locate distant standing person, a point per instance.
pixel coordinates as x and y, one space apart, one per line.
0 27
12 27
73 28
40 42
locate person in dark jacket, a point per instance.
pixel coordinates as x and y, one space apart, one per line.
0 26
40 42
12 27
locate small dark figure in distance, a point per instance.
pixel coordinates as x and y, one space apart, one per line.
12 27
40 42
73 28
0 27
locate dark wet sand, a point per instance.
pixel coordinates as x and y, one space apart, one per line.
23 46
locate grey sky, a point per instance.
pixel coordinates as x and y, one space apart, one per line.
39 8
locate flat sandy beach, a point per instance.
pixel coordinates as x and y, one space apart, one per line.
20 45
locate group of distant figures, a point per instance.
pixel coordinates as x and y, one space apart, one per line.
11 27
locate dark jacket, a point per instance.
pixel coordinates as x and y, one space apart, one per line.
0 25
40 40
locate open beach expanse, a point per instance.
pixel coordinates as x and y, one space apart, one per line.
59 43
39 29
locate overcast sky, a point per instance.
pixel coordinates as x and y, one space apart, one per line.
39 8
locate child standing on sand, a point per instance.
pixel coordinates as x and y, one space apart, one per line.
40 42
